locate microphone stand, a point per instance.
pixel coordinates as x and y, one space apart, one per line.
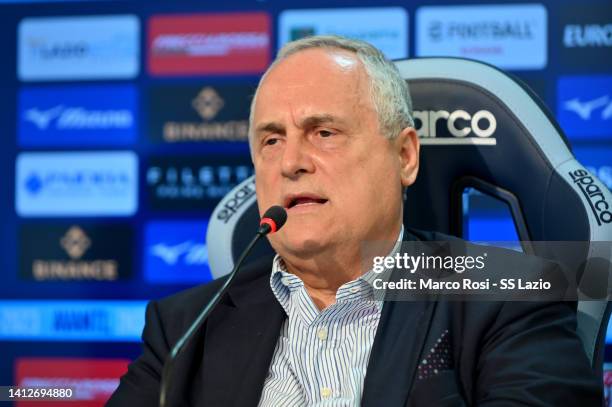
264 229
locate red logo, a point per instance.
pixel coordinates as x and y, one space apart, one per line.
92 380
209 44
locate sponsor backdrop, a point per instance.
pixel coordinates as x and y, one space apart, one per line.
124 123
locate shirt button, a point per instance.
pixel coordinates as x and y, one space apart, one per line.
285 280
326 392
354 290
322 334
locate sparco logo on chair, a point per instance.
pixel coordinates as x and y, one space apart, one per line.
463 127
592 192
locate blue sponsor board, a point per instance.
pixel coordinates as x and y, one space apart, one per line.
598 160
110 321
176 252
584 107
584 36
78 116
186 183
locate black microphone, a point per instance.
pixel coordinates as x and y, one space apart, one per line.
272 220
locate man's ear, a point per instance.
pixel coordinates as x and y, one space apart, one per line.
408 147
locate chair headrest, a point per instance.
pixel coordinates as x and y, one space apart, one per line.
480 126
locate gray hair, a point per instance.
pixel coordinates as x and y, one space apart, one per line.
390 95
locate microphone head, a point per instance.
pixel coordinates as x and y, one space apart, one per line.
273 219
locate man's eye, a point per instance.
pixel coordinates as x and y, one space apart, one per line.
270 141
325 133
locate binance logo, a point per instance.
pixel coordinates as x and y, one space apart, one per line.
207 103
75 242
203 113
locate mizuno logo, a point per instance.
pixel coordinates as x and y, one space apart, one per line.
194 253
42 118
586 108
77 118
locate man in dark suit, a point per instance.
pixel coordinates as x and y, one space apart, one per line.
332 140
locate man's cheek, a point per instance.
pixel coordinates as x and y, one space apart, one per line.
262 196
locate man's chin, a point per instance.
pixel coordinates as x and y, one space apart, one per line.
299 244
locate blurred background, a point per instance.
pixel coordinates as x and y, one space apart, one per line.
122 123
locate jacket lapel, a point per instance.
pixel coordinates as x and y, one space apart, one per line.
241 336
399 340
393 361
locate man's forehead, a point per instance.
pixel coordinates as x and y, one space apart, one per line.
313 66
321 76
333 56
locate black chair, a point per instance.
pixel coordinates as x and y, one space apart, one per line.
481 129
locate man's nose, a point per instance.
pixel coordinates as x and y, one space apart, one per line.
296 158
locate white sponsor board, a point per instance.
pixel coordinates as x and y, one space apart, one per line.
508 36
76 184
384 27
85 47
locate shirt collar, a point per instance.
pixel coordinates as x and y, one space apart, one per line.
284 283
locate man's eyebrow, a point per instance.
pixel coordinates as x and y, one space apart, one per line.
270 127
318 119
307 122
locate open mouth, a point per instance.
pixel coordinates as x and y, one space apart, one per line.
303 200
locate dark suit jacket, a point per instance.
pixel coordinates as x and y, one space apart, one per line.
486 353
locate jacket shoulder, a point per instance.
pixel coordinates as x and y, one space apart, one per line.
179 310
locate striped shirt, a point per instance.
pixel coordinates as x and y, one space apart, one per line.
321 357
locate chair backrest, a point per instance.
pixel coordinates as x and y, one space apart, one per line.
478 128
